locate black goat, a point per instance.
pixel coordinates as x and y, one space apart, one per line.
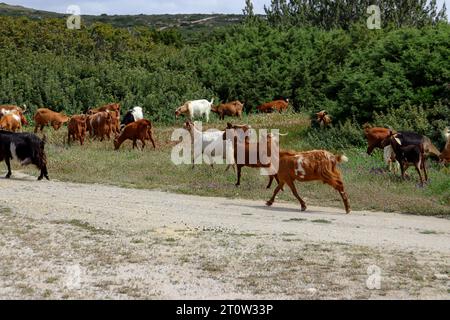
127 119
409 149
26 148
131 116
412 138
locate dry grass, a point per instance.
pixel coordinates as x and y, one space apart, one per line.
369 187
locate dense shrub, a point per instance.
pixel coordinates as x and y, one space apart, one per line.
338 137
353 74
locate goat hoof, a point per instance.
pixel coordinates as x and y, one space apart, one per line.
304 208
8 176
269 204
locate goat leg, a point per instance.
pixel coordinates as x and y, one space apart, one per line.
346 202
418 165
8 165
271 178
291 185
153 141
44 173
277 190
424 167
239 172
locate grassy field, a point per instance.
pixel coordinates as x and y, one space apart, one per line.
369 187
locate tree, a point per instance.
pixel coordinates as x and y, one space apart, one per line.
330 14
249 12
249 9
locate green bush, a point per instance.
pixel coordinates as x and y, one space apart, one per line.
338 137
353 74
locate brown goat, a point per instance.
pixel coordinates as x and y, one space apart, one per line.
44 117
251 151
231 109
108 107
114 109
100 125
115 121
375 137
318 165
140 130
277 105
77 129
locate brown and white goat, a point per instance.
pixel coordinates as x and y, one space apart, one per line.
11 109
11 122
318 165
323 119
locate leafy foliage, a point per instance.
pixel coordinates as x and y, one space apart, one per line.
356 74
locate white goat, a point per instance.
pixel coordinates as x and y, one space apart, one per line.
137 113
131 116
213 145
197 108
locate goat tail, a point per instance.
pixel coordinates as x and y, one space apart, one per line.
341 158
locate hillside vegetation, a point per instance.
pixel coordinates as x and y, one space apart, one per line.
398 76
187 24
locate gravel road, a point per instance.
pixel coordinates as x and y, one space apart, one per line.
75 241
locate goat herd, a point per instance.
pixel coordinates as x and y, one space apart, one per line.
400 148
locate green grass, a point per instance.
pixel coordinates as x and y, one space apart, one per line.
152 169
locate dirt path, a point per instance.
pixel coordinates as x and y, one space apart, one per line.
64 240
